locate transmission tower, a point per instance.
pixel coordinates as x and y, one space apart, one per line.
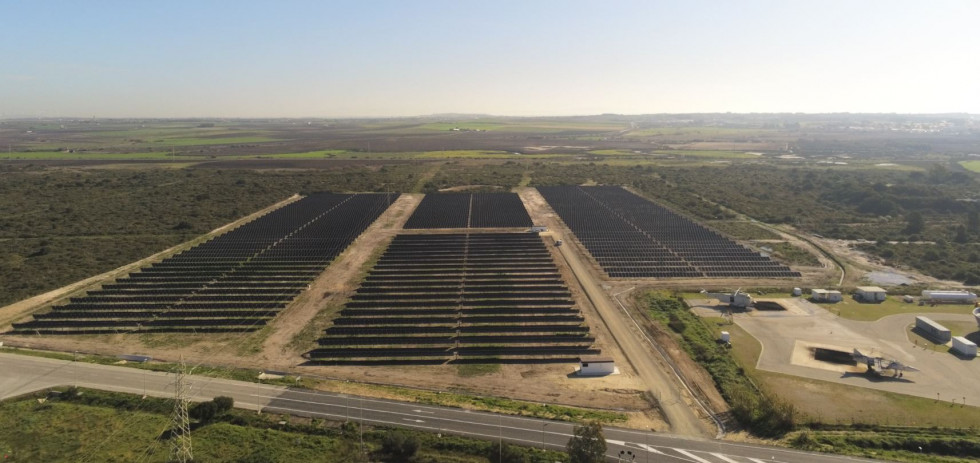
180 422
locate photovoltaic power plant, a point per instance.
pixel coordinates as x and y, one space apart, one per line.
463 298
469 210
234 282
631 237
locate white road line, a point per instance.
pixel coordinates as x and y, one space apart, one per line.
690 455
649 449
723 457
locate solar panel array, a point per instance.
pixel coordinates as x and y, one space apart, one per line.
469 210
234 282
631 237
478 298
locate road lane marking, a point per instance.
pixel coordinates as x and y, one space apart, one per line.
649 449
414 421
723 457
690 455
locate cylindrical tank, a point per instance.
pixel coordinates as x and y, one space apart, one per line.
725 337
949 296
797 292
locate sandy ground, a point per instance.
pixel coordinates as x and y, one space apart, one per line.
787 338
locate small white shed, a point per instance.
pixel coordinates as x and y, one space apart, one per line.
596 366
824 295
870 294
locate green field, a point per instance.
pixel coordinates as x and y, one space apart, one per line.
854 310
523 126
722 154
973 166
688 132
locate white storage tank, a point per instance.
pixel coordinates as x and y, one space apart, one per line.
949 297
964 346
797 291
726 337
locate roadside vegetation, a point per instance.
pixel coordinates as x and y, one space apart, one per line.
757 410
422 396
83 423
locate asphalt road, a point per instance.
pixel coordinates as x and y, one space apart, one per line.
20 374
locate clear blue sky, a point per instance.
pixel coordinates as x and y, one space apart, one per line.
396 58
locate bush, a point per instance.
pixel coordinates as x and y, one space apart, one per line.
399 447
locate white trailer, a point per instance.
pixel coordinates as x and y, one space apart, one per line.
938 333
964 346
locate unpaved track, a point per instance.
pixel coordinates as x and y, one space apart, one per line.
660 382
337 278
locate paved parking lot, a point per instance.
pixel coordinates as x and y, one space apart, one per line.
788 336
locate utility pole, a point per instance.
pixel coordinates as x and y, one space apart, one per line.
180 422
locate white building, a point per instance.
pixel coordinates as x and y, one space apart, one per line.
870 294
824 295
596 366
964 346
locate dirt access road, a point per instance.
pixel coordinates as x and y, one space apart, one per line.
675 404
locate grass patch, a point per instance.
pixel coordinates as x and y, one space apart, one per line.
743 230
851 309
477 369
723 154
791 254
617 152
973 166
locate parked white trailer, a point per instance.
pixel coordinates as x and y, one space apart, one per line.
964 346
938 333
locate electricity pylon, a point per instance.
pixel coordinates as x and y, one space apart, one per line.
180 422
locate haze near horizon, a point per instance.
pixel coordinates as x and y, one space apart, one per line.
387 58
